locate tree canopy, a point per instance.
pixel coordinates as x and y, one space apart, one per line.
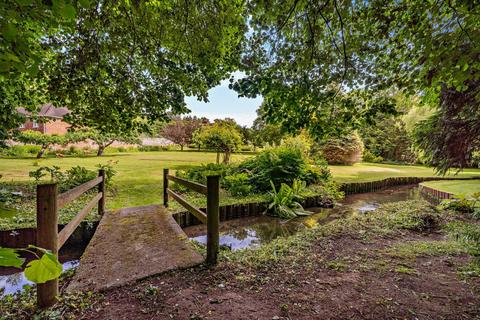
119 65
324 65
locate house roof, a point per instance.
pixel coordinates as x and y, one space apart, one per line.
47 111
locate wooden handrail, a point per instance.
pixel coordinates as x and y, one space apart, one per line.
211 218
200 188
73 224
72 194
48 237
196 212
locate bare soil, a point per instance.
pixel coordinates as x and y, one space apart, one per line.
339 278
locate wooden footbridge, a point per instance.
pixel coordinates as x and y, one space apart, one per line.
130 243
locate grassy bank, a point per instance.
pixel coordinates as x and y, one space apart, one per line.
458 188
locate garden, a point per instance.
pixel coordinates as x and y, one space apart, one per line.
353 193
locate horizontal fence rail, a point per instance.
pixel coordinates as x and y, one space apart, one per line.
73 194
210 218
48 237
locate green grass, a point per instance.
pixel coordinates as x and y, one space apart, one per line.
364 172
465 188
139 179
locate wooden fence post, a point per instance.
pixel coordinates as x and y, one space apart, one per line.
213 195
165 187
47 238
102 188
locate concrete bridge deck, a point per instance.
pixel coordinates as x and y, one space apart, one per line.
131 244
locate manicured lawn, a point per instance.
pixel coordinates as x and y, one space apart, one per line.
363 172
139 178
456 187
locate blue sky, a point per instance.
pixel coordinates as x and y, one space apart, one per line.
224 103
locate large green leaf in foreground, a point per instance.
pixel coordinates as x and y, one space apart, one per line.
44 269
10 258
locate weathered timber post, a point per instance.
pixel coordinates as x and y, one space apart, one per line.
47 238
213 195
102 188
165 187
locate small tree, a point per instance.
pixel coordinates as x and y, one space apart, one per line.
103 140
181 131
221 137
39 139
47 140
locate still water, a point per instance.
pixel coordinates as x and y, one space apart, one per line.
12 280
255 231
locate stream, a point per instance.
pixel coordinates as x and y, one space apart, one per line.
244 233
254 231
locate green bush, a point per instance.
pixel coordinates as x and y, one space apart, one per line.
345 150
199 173
280 165
238 184
72 177
464 204
19 151
368 156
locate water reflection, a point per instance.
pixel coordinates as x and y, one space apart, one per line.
253 232
15 282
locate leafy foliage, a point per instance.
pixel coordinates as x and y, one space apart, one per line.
301 56
221 137
72 177
39 270
144 59
285 203
388 139
104 139
346 150
46 140
238 184
464 204
180 131
280 165
450 137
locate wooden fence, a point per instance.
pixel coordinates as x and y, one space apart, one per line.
210 217
48 237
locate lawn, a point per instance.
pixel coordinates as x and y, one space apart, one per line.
139 178
456 187
363 172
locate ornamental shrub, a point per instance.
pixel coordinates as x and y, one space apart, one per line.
280 165
345 150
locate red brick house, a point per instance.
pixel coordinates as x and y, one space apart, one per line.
50 120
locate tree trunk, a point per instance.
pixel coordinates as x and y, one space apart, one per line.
226 157
218 157
100 150
41 152
181 147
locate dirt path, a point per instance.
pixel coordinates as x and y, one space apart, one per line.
339 278
131 244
